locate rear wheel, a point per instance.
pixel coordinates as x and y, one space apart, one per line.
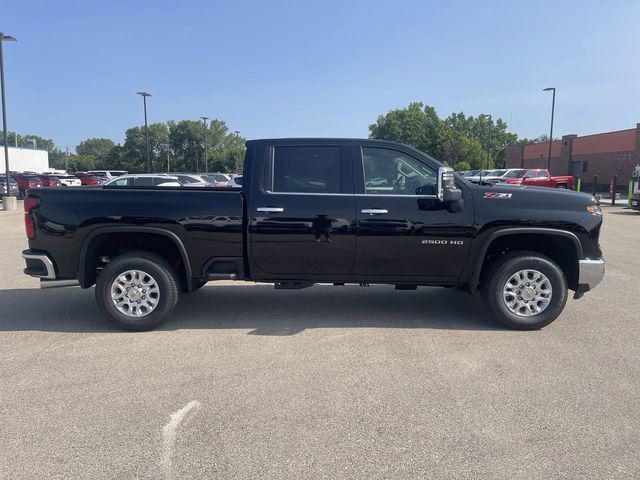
562 185
525 290
137 291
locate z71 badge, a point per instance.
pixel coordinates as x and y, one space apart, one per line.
497 196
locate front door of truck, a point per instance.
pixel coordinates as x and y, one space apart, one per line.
403 230
302 218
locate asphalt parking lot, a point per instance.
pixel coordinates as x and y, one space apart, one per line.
329 382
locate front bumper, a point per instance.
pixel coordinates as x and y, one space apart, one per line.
591 273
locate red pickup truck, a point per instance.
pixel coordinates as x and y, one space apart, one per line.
536 177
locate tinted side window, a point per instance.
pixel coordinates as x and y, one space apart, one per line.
306 169
390 172
144 182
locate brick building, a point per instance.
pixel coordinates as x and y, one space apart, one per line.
602 154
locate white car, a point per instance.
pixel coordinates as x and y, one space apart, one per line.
235 182
108 174
489 176
190 179
69 180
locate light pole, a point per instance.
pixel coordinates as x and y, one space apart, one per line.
146 128
488 146
553 107
206 165
9 203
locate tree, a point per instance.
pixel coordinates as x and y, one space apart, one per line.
95 147
544 138
458 140
415 125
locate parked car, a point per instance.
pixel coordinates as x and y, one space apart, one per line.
487 176
235 182
218 180
306 214
190 179
89 180
538 177
144 180
50 181
108 174
69 181
26 181
13 186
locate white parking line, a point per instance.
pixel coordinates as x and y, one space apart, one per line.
169 436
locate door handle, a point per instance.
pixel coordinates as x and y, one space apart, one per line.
270 209
375 211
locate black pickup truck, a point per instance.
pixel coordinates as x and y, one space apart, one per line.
319 211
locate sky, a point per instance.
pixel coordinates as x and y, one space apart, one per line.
317 68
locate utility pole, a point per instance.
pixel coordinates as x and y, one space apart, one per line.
206 164
66 160
146 128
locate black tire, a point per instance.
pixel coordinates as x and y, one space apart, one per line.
507 265
154 265
562 185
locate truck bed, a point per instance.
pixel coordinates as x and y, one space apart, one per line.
200 218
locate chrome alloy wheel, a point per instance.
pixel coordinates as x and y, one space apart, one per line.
527 293
135 293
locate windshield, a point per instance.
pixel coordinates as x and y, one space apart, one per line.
515 174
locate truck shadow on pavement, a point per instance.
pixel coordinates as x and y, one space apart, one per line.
259 308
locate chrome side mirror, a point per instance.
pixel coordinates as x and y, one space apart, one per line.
447 189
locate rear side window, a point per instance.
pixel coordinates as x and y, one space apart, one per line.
306 169
144 182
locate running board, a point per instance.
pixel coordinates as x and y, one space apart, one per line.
222 276
292 285
58 283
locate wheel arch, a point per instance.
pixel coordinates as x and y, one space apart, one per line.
536 239
86 266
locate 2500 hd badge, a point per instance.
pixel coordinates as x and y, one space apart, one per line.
430 241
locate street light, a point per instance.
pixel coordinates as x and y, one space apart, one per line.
9 202
146 127
206 167
553 107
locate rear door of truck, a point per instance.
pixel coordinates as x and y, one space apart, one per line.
302 210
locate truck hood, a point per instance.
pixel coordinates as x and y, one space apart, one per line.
529 197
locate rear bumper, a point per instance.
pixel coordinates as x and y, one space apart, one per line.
39 265
591 273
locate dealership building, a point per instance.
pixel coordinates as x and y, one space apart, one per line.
602 154
25 159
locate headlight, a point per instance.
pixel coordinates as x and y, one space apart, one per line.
594 209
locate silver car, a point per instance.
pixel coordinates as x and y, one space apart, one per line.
144 180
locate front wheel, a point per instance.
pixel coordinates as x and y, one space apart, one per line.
137 291
525 290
